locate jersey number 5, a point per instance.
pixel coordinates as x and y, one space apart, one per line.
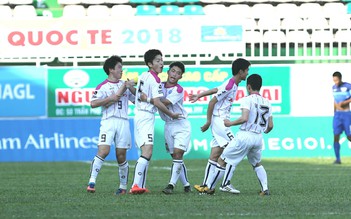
140 89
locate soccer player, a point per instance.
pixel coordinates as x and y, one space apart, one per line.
176 132
144 121
256 118
219 108
342 113
113 95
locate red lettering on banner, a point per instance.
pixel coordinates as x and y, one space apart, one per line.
69 37
272 94
55 37
104 36
76 97
186 95
276 91
92 35
190 91
240 93
65 97
62 97
16 38
39 38
50 40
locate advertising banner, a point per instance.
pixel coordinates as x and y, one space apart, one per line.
76 140
56 105
52 140
22 91
70 89
292 137
99 36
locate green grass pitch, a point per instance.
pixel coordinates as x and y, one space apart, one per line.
300 188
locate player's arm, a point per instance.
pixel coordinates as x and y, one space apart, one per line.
209 114
270 125
345 103
108 101
194 97
144 98
157 102
242 119
337 106
165 101
130 86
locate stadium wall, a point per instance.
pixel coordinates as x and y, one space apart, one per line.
45 113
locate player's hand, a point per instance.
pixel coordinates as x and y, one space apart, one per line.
130 83
227 123
193 98
343 104
177 116
205 127
114 97
143 97
338 106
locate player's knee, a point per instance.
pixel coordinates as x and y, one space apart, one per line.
221 162
257 165
215 155
177 154
147 154
103 153
121 158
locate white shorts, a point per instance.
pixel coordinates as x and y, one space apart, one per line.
222 135
177 135
144 125
115 130
244 144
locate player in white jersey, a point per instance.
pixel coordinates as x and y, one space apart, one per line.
113 95
256 118
219 108
176 132
144 120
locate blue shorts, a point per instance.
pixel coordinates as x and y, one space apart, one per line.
342 122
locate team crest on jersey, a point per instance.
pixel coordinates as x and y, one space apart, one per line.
95 93
343 89
170 91
223 92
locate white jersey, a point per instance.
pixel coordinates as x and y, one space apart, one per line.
118 109
175 95
260 110
225 95
150 84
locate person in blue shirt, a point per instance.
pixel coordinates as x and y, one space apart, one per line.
342 113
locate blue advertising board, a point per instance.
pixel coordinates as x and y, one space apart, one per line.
52 140
22 91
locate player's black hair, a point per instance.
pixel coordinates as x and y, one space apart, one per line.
111 63
255 81
240 64
179 65
337 74
150 55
